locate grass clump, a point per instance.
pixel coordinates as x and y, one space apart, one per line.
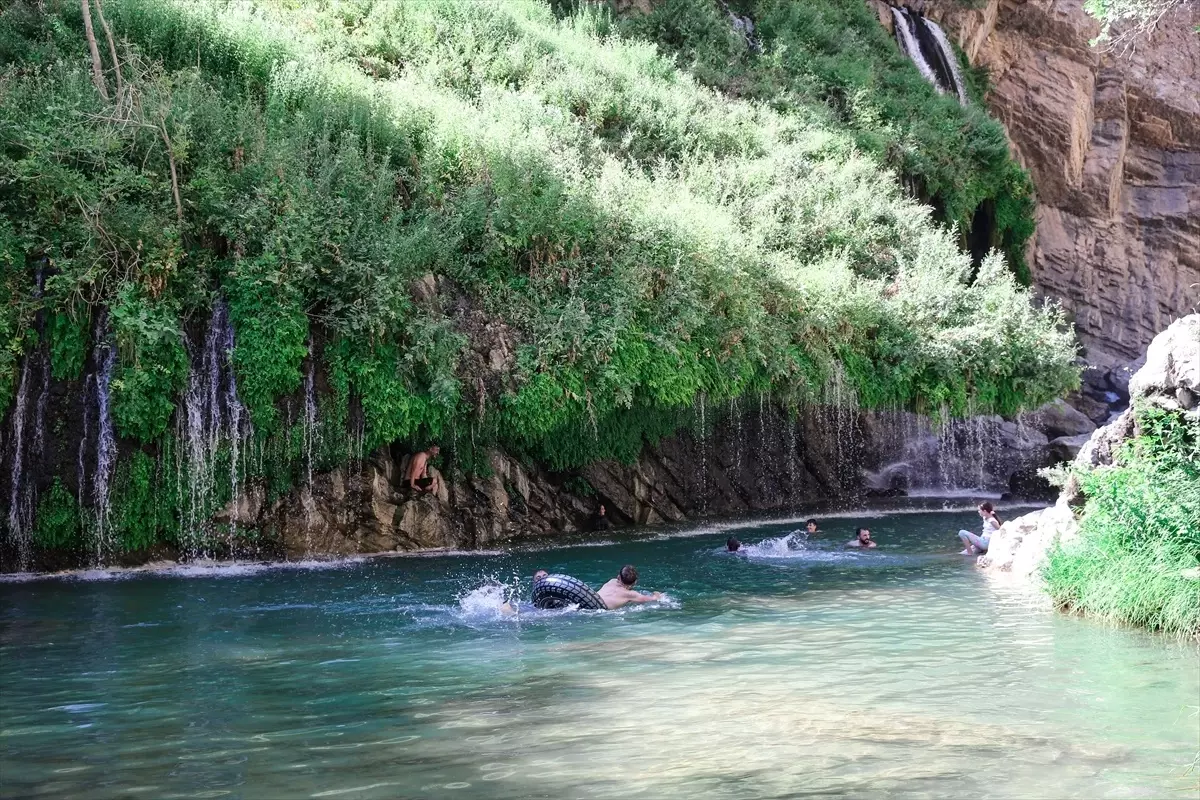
1137 558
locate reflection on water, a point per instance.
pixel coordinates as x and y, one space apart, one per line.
792 669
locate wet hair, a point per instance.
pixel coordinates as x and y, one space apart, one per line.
858 532
732 544
628 575
810 522
538 574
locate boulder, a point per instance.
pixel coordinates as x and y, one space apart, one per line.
1018 550
1096 410
1172 361
1057 419
1066 448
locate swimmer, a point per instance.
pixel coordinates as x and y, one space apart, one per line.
811 529
510 607
732 544
619 590
862 539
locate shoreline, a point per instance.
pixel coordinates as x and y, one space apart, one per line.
247 566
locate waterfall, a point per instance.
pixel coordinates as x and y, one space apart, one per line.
106 442
926 45
949 59
19 512
211 424
310 417
26 443
744 26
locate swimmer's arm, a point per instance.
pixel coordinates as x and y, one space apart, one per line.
638 597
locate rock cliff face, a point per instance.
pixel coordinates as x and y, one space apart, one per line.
1113 144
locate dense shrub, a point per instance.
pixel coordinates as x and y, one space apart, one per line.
641 239
1138 553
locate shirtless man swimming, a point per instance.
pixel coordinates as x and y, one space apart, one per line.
419 479
862 539
619 591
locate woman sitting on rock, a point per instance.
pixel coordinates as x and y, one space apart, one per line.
979 544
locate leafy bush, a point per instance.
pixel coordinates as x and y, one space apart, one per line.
1138 552
612 239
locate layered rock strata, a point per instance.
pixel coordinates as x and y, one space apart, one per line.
1112 141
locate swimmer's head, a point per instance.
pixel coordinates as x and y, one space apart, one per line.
732 544
541 573
628 575
864 535
811 526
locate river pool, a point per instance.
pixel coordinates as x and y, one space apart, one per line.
791 671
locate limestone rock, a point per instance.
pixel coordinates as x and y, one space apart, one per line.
1018 550
1172 361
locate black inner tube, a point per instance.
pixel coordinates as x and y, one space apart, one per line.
560 591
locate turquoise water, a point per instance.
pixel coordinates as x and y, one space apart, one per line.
901 672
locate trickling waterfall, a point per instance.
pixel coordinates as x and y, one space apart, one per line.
106 442
702 440
918 455
19 512
744 26
26 445
212 424
926 45
311 432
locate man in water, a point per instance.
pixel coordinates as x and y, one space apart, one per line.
810 528
732 544
510 607
863 539
419 479
619 590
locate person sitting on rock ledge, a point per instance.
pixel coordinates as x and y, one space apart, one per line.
419 479
619 591
862 538
979 544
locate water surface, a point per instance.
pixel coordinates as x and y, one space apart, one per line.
900 672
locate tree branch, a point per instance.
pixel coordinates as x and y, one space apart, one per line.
112 47
97 65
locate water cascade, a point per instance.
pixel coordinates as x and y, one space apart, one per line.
26 441
744 26
919 455
213 425
311 432
927 46
106 441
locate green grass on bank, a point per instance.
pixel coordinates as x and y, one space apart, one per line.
1138 552
832 61
636 238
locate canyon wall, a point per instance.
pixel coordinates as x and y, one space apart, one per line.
1112 141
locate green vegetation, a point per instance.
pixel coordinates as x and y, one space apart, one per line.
1137 559
833 64
634 238
1123 22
